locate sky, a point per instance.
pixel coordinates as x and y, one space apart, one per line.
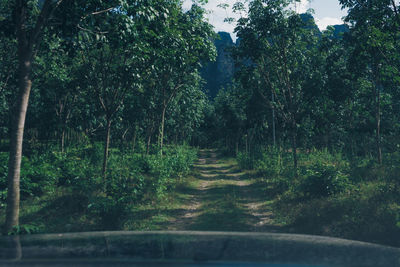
327 12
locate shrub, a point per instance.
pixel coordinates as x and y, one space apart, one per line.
38 175
368 212
166 170
271 163
321 180
245 161
124 180
109 210
77 171
181 159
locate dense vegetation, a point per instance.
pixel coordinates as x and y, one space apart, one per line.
121 76
317 115
116 107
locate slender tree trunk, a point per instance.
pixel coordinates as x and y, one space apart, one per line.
247 143
134 141
273 122
62 139
162 129
377 100
378 124
106 148
17 133
294 146
237 146
149 142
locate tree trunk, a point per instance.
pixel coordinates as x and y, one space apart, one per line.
294 146
162 129
377 100
17 133
378 124
62 139
149 142
273 122
134 141
237 146
106 147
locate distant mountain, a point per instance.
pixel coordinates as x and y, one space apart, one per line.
309 20
219 74
339 30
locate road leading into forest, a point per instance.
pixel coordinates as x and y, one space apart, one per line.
222 198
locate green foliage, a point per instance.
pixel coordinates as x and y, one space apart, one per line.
108 210
271 163
77 168
166 170
321 173
125 182
38 175
245 161
131 179
369 211
26 229
321 180
326 198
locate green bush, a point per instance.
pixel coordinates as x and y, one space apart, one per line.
109 210
358 201
38 175
245 161
125 181
181 159
76 170
271 164
131 179
166 170
321 180
367 212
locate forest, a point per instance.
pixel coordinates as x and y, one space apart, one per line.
106 123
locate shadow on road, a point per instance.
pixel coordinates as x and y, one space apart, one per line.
225 199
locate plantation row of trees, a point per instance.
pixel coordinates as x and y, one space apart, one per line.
124 71
299 88
316 115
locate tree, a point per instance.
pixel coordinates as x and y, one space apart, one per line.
182 43
281 44
29 21
28 40
375 33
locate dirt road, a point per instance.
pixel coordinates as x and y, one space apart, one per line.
222 198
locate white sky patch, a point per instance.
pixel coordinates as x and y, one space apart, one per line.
325 22
302 6
326 13
217 15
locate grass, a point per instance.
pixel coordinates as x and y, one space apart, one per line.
217 196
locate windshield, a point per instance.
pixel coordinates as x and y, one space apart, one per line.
275 118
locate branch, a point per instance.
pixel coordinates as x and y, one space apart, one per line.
93 14
174 92
90 31
97 13
6 82
44 16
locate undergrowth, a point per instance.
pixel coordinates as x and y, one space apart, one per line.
64 192
331 195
